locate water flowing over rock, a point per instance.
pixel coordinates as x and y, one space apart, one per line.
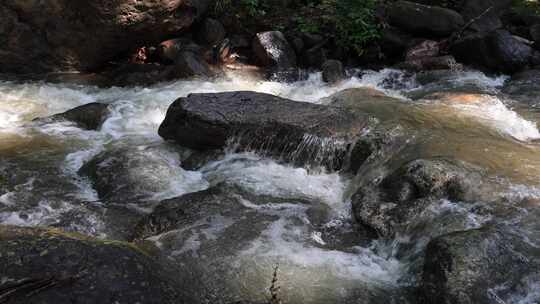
48 36
296 131
217 235
384 205
183 211
272 49
476 266
89 116
49 266
423 19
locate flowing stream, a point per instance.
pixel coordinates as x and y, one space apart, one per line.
310 232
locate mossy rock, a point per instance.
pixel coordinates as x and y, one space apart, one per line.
41 265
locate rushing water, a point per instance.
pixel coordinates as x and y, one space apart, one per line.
321 261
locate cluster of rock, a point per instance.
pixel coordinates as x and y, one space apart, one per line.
123 42
485 34
40 265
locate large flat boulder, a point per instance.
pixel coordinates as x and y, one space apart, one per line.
295 131
49 266
47 36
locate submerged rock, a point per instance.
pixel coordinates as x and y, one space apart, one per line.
272 49
186 210
232 239
476 266
423 19
47 36
296 131
125 176
386 204
89 116
524 87
48 266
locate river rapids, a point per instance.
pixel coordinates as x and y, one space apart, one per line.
310 233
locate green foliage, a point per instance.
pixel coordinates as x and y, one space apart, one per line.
356 23
532 6
307 26
353 22
254 8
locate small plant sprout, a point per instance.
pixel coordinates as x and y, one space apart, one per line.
274 288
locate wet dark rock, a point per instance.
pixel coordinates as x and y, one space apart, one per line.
124 176
314 57
239 42
298 44
49 266
430 63
519 17
92 79
385 204
333 71
52 36
198 159
221 53
423 19
426 48
490 20
170 50
127 183
534 33
89 116
272 49
189 64
211 32
497 51
477 266
394 42
296 131
133 74
185 210
310 40
207 234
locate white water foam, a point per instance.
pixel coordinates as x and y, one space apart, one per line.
265 176
493 112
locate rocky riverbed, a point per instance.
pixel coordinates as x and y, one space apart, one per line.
386 187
